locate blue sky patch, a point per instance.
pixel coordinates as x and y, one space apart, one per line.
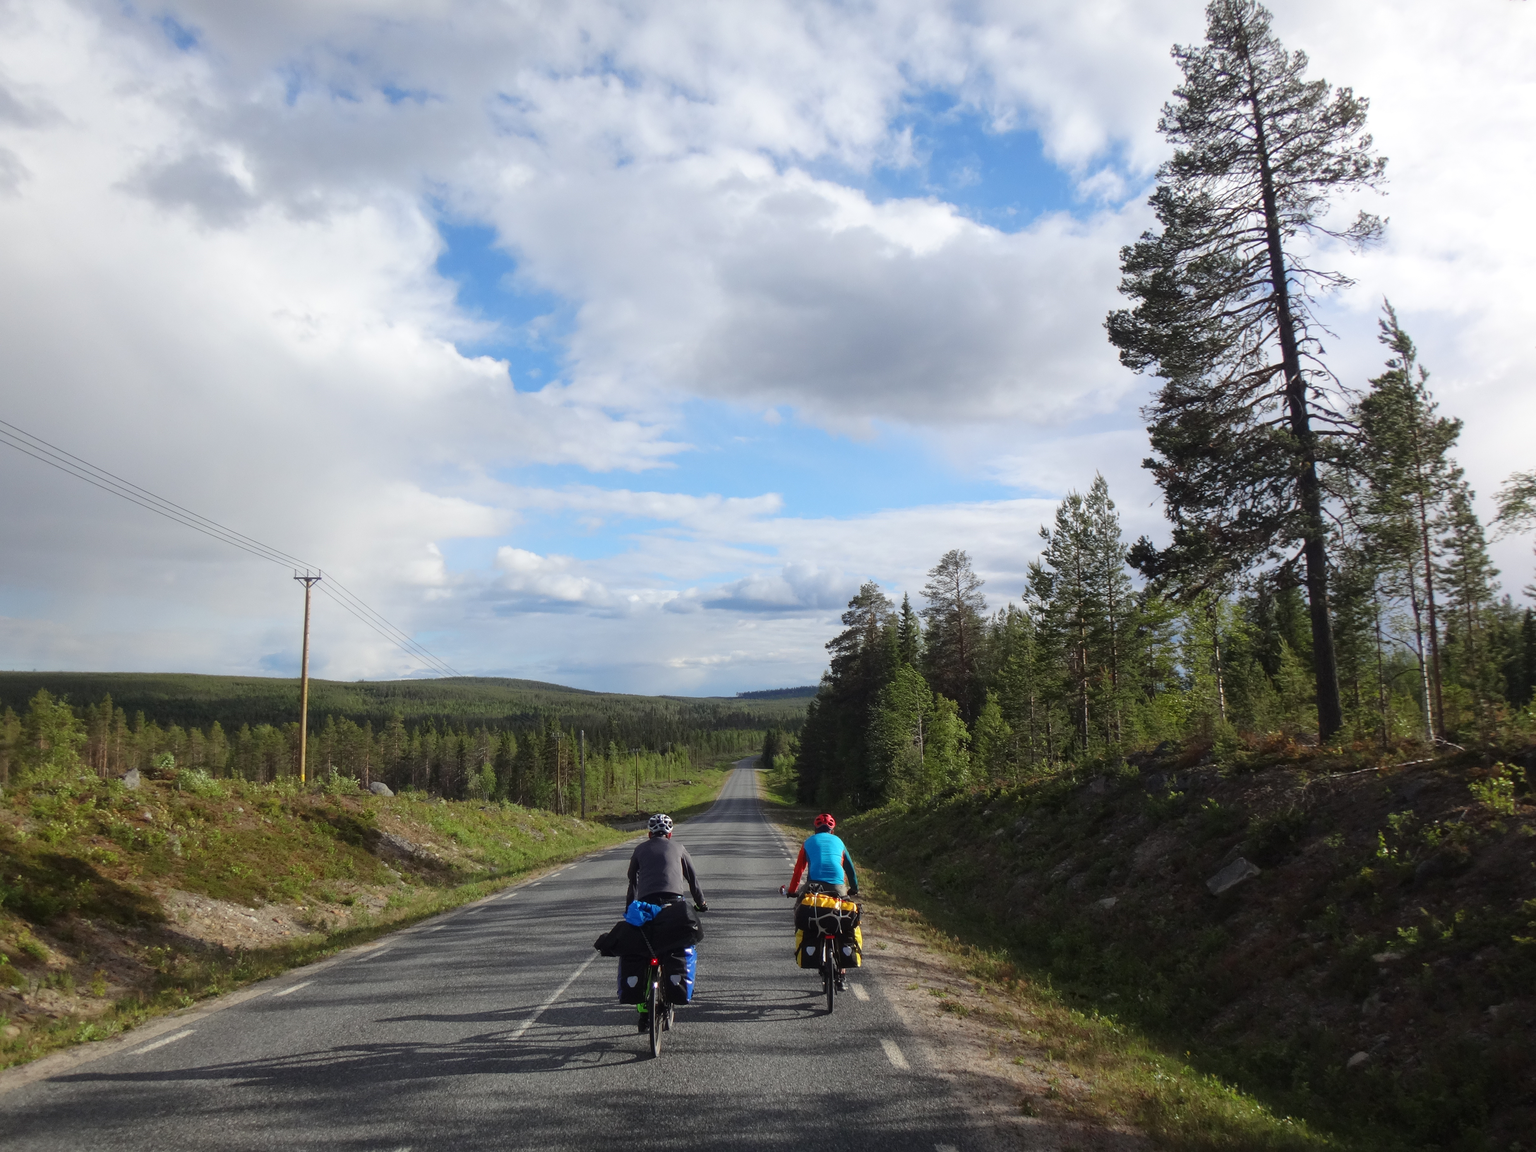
185 39
1001 179
531 325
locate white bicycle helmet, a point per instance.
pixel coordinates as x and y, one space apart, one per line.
660 824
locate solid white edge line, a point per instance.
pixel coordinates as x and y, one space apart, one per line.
161 1043
292 988
560 991
893 1054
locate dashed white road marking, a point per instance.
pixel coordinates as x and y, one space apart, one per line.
858 992
371 955
161 1043
893 1054
437 928
560 991
291 989
944 1148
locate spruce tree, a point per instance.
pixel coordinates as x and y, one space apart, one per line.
1468 576
1223 303
1083 606
834 762
909 633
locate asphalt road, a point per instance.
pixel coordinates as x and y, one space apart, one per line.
498 1026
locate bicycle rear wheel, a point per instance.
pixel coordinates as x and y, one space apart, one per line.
829 971
657 1007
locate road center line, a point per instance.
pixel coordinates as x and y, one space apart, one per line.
171 1039
292 988
560 991
858 993
893 1054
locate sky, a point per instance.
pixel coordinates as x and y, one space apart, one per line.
616 344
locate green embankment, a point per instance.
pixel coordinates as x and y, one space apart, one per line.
119 904
1370 987
1128 1078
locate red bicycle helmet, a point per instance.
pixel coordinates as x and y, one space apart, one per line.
825 820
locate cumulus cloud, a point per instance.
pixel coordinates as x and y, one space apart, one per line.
794 588
221 230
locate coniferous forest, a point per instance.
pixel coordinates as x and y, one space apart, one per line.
462 738
1326 577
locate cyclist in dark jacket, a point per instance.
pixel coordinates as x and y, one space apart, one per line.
660 868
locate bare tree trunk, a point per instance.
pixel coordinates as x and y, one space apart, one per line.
1418 633
1330 713
1221 687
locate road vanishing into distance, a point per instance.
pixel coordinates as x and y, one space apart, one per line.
498 1026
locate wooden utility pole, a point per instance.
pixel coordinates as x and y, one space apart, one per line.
636 752
583 739
309 582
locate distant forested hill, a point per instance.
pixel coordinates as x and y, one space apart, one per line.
803 693
468 701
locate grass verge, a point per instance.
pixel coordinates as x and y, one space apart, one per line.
118 905
1090 1066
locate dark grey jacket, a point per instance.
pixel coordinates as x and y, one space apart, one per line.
661 865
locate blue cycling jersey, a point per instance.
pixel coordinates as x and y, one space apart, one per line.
824 855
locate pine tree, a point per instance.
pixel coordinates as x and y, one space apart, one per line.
1223 306
1404 458
51 738
954 623
1060 595
1517 509
1115 601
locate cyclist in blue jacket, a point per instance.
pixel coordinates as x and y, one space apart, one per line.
825 861
827 866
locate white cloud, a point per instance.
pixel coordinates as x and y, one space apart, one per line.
220 281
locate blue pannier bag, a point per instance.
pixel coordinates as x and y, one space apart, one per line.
677 972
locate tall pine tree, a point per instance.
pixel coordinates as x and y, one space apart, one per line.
1223 311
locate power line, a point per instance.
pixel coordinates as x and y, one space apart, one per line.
56 457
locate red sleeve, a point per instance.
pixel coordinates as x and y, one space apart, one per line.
794 881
